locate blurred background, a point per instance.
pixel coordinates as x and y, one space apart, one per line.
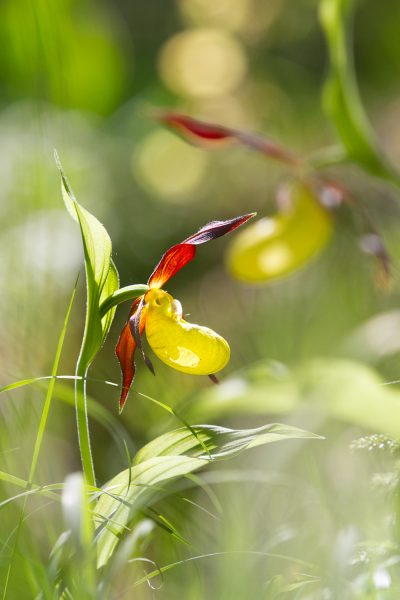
83 77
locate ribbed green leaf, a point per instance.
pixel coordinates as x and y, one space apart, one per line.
166 458
101 282
220 442
101 273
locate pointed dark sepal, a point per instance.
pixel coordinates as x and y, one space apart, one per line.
125 351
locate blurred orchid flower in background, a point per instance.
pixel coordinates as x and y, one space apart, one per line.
278 245
181 345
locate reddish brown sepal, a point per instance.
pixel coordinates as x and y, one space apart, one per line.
178 256
125 351
206 132
203 132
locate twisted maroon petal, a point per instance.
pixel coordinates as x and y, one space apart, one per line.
179 255
125 351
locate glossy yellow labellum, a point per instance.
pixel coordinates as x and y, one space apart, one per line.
274 247
184 346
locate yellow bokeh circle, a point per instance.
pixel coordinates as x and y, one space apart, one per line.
168 167
202 62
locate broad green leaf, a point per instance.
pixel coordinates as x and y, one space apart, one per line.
220 442
130 490
167 458
101 273
341 97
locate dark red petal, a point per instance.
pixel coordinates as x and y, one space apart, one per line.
125 351
216 229
199 129
202 131
176 257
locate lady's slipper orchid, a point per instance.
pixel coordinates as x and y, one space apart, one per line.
184 346
275 247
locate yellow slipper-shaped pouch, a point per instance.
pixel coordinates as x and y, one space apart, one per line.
184 346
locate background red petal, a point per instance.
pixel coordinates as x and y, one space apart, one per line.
201 131
207 132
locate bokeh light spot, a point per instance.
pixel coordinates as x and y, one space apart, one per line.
276 259
229 14
202 62
168 167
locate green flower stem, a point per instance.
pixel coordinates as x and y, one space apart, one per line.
82 421
122 295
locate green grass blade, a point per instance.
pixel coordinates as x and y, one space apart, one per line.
63 393
41 430
23 382
6 477
50 389
161 570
